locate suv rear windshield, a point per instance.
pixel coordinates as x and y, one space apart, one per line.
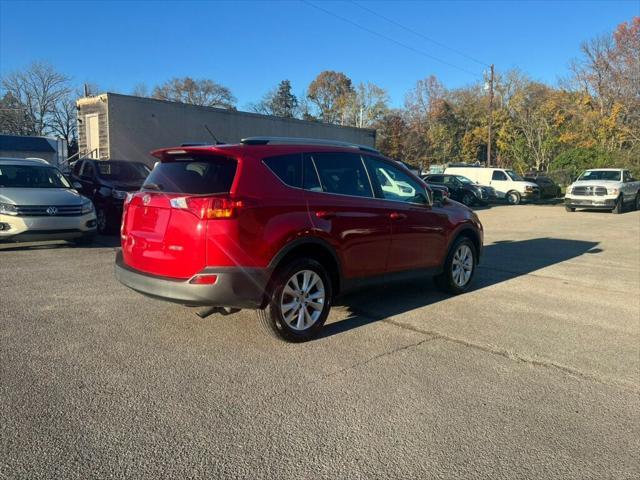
27 176
197 175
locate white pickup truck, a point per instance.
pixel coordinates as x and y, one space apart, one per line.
603 188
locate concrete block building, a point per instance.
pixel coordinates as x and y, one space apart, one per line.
123 127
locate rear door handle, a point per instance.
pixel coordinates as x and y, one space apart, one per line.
325 215
397 216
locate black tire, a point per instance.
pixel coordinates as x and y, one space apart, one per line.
619 208
102 221
569 209
445 280
273 316
513 197
83 241
468 199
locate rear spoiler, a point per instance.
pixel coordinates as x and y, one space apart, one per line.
167 154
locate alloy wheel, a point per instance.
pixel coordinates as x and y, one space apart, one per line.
462 265
302 300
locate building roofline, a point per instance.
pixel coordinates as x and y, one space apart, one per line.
226 111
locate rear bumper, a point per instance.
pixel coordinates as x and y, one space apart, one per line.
235 287
604 203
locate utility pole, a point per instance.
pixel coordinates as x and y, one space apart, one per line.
490 116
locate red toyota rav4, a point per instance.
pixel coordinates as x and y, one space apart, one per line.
284 226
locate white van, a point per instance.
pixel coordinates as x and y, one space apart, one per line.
507 183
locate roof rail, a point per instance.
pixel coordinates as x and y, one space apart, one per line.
303 141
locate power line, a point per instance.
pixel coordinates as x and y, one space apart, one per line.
392 40
419 34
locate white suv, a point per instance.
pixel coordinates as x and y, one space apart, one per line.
37 202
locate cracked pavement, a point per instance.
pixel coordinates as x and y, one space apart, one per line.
533 374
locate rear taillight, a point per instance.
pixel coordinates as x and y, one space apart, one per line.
223 208
208 207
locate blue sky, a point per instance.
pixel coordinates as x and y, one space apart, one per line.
250 46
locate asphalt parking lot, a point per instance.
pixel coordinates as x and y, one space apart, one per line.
533 374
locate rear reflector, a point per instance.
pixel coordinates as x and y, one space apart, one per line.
204 279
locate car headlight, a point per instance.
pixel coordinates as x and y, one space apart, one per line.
8 209
87 207
612 191
119 194
528 188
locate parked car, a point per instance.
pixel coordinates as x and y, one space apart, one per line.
507 184
106 183
285 226
603 188
548 188
462 189
37 202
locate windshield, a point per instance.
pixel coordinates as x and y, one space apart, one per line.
31 176
514 176
464 180
122 171
600 175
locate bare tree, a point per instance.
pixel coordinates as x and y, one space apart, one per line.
140 90
205 93
38 90
63 120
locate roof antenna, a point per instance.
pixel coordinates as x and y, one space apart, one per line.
218 142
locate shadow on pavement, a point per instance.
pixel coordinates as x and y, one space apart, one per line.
101 241
501 261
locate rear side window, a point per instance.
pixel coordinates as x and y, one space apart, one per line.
498 175
197 176
342 173
436 179
287 168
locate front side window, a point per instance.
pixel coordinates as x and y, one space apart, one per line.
342 173
287 168
87 170
498 175
464 180
27 176
394 184
451 182
436 179
122 171
76 167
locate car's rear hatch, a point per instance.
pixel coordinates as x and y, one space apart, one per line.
165 224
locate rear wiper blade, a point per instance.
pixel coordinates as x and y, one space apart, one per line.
152 186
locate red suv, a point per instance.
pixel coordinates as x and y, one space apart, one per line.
284 226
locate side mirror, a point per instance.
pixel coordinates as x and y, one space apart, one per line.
76 185
438 196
